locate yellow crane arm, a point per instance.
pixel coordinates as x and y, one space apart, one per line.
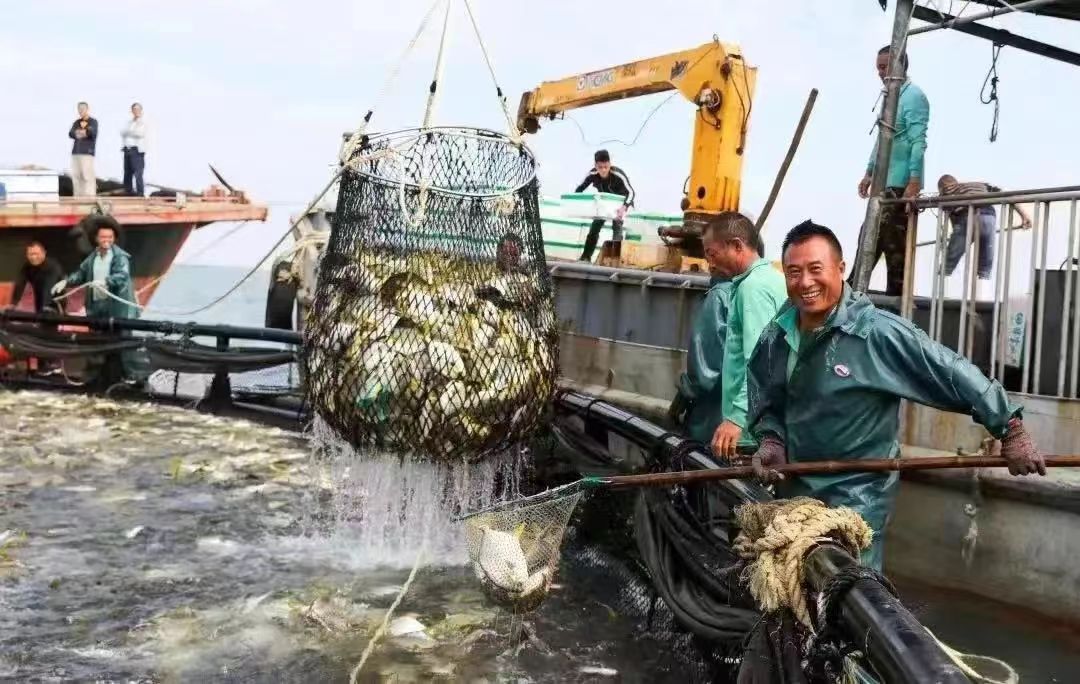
713 77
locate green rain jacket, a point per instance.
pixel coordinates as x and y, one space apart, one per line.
118 282
909 142
756 296
835 394
701 383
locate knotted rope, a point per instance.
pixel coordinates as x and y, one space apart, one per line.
776 536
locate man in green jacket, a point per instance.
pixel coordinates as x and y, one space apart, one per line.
698 405
904 177
111 293
827 377
732 247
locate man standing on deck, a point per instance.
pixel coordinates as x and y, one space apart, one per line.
985 220
111 293
904 177
732 248
84 132
133 140
827 377
606 178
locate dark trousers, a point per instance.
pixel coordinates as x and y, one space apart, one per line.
891 243
594 235
134 163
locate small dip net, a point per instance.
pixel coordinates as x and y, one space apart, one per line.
514 549
432 330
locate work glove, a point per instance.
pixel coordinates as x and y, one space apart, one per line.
59 287
679 410
770 453
100 286
1019 450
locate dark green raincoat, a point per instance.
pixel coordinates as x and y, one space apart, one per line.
835 394
119 282
702 383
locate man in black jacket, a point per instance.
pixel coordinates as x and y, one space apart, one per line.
41 272
84 132
606 178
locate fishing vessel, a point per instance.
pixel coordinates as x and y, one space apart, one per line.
38 205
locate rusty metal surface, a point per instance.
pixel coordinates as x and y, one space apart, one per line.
67 212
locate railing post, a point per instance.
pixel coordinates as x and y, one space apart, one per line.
907 300
220 394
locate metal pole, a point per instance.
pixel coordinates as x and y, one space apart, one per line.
1005 286
1028 195
1076 315
968 284
973 313
1063 355
907 300
995 328
960 21
864 262
1029 329
938 297
1040 313
795 140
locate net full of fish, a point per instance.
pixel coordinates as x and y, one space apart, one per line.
432 331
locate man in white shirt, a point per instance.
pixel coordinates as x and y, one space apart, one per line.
134 146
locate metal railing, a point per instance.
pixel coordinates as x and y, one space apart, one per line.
1028 338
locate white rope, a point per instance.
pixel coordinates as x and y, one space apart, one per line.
436 83
962 661
511 123
358 134
370 648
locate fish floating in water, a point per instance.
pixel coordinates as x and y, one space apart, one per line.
431 353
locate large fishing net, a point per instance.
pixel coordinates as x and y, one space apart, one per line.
432 330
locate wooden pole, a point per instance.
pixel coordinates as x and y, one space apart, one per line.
792 148
879 465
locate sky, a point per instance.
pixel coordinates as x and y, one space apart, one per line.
264 90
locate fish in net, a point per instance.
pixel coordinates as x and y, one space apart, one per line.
432 330
515 550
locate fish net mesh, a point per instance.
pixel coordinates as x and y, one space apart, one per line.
515 549
432 330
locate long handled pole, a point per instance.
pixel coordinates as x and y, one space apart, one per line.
792 148
819 468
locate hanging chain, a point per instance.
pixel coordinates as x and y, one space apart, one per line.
992 81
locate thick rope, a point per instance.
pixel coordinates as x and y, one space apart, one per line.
777 535
370 648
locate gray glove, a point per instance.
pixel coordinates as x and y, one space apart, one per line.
770 453
59 287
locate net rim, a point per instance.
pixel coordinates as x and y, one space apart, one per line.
475 133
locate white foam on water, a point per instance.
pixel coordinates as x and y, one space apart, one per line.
386 508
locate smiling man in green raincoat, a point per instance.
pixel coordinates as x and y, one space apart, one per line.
828 375
111 293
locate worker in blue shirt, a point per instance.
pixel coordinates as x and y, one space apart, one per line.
904 177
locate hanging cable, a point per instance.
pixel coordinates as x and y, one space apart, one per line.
637 135
992 81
